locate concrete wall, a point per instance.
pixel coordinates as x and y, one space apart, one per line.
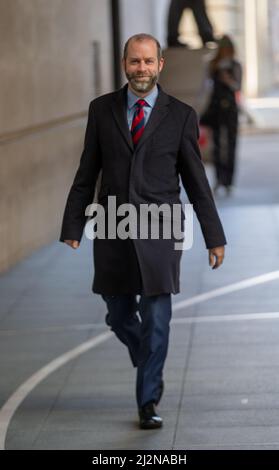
274 25
258 48
146 16
48 76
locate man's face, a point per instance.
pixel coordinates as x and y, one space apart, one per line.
141 66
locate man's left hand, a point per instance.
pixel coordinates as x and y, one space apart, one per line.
216 256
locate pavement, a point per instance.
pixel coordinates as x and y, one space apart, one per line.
263 111
68 383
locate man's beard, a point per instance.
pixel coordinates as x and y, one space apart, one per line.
142 86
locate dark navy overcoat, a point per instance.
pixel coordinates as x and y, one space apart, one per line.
167 153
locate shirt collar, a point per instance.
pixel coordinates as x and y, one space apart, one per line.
150 98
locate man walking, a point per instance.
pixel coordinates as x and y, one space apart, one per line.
143 140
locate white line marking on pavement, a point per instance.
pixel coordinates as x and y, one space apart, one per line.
15 400
227 318
53 329
253 281
179 321
10 407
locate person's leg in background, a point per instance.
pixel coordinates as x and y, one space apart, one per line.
203 23
175 12
155 313
124 322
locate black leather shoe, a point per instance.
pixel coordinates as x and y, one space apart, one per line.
161 390
149 418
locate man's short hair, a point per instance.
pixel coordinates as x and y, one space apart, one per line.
143 37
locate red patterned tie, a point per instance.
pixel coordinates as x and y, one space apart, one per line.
138 122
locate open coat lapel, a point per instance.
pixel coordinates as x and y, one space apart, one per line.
119 109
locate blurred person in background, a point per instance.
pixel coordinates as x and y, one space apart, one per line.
221 114
198 8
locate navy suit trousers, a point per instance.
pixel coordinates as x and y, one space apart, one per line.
146 336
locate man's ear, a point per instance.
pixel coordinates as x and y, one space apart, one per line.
161 64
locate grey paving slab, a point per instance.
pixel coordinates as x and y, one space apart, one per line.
235 418
229 380
207 357
234 334
231 401
129 439
228 435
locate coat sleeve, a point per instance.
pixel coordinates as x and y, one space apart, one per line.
196 185
82 191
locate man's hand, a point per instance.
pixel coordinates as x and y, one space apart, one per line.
216 256
72 243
